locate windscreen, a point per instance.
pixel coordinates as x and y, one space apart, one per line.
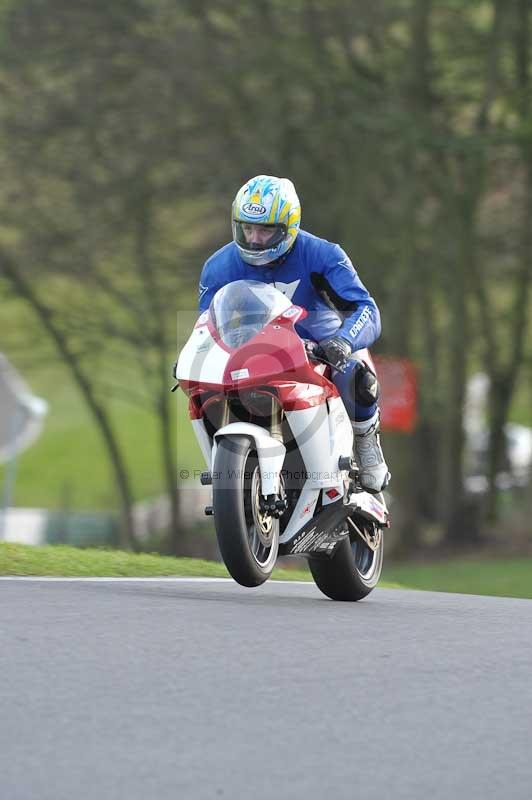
243 308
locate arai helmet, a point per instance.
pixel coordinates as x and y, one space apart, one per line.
262 205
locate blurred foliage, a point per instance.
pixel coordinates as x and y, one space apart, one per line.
126 128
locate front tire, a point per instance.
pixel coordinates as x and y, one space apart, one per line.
352 572
248 538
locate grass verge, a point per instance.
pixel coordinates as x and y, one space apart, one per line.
65 561
508 578
498 577
62 560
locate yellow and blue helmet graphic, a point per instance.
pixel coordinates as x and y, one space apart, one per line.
272 205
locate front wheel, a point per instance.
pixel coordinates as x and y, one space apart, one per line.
355 568
247 537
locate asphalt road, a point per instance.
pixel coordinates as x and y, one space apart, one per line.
191 690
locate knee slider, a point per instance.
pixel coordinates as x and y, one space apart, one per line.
364 386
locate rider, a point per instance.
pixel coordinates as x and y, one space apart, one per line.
269 246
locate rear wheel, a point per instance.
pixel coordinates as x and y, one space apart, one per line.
248 538
355 568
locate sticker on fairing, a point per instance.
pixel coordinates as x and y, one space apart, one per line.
291 312
238 374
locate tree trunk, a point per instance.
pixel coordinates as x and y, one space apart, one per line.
160 342
453 495
170 470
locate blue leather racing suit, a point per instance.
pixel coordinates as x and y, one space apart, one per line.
318 276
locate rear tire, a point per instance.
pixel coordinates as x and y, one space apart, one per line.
248 539
352 572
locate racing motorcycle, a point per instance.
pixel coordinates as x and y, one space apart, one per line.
278 445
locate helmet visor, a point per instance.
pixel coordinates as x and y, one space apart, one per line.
252 236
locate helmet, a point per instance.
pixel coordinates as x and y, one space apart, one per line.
265 218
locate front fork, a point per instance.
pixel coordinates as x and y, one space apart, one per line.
276 503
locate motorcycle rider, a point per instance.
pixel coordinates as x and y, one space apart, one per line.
269 246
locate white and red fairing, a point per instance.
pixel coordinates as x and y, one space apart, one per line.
275 357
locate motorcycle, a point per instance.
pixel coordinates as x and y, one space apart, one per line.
278 444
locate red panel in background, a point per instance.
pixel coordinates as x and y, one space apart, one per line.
398 401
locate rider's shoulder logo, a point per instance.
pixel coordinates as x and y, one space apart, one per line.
254 209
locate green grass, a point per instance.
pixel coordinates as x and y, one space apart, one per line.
503 578
510 578
61 560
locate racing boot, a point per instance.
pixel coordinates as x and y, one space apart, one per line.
374 475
